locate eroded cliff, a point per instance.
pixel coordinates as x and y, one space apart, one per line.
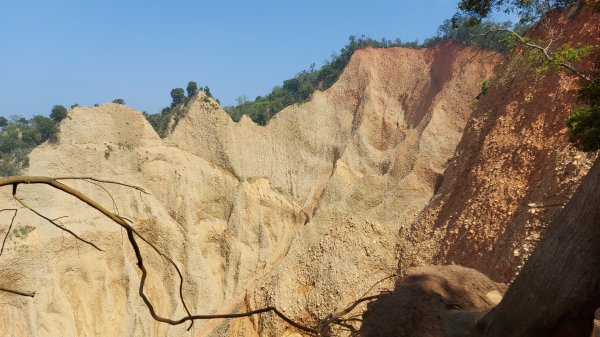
514 169
303 214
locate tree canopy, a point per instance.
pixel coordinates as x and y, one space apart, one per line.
178 96
527 10
58 113
192 88
169 116
19 136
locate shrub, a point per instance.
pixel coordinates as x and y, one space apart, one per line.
58 113
584 122
584 128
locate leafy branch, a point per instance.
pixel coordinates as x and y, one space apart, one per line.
562 58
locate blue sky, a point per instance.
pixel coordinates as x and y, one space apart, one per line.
87 52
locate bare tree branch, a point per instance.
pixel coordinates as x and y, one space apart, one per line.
20 201
103 181
17 292
131 234
321 329
335 318
12 221
179 273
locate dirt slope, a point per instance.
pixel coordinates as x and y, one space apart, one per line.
303 213
513 170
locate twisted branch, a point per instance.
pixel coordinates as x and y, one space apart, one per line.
131 234
321 329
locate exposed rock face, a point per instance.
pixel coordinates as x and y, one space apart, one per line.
514 168
302 214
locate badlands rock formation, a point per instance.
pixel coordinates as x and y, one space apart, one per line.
303 214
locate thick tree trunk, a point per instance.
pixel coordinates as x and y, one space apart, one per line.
559 288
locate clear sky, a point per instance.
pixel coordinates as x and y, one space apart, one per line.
87 52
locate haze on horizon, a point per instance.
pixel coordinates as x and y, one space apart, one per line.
67 52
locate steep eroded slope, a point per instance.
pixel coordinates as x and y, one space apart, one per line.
302 214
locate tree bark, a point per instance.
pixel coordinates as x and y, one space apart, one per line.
558 290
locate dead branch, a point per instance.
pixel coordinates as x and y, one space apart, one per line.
337 318
321 329
103 181
17 292
12 221
15 181
20 201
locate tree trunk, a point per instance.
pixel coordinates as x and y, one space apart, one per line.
559 288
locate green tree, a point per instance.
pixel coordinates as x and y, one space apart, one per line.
527 10
119 101
58 113
10 139
3 121
206 90
178 96
192 88
45 126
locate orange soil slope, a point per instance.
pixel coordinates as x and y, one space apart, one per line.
513 169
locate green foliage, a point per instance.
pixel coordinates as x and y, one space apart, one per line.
192 88
3 121
178 96
58 113
22 232
584 122
477 34
584 128
169 116
18 137
485 86
528 11
45 127
119 101
299 88
566 54
160 121
74 106
207 91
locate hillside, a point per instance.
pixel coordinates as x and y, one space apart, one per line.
514 168
516 191
303 213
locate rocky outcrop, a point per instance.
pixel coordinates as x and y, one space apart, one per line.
303 214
